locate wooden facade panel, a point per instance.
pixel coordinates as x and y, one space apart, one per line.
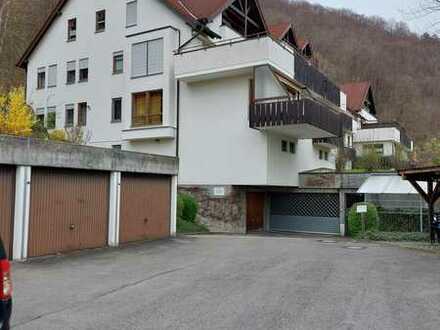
69 211
7 197
145 207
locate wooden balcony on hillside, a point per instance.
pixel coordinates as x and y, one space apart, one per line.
302 119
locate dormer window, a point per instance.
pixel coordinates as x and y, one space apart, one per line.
71 29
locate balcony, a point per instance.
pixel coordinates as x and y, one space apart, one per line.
329 143
301 119
382 132
311 77
232 57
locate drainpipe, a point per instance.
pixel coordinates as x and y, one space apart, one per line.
178 119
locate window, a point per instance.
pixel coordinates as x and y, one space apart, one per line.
52 76
147 58
70 115
84 70
292 147
323 155
118 63
117 147
131 18
284 146
39 113
71 72
71 29
377 148
100 21
147 109
41 78
117 110
51 117
82 114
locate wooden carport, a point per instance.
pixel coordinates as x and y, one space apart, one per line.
430 175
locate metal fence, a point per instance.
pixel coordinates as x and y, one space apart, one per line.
400 212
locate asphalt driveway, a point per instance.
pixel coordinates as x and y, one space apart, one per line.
231 282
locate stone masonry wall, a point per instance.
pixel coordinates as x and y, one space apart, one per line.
220 213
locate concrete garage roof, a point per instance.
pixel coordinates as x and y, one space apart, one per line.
388 184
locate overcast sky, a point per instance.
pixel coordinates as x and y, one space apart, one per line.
388 9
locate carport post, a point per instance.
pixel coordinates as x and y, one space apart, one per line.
21 212
173 220
114 209
342 212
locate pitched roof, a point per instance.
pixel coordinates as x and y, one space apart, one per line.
197 9
279 30
190 10
302 43
357 94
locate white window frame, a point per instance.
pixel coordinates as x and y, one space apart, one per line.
148 72
127 18
83 64
52 80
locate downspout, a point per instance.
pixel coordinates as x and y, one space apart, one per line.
178 120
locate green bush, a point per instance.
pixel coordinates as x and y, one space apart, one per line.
395 236
188 208
185 227
355 219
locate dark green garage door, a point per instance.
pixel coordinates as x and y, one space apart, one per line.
308 213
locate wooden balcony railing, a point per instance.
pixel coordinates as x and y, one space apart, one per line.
146 120
292 112
310 76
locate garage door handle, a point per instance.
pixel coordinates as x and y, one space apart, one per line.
145 220
72 227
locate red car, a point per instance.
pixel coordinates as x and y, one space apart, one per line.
5 289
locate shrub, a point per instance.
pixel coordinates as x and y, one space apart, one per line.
189 208
58 135
395 237
355 219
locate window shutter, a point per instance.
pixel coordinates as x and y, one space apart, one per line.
131 18
139 60
84 64
71 66
52 79
155 56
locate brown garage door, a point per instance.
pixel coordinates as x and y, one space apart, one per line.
69 211
145 207
7 197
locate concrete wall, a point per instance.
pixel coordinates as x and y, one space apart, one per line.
33 152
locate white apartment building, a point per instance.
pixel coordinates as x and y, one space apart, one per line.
385 138
244 110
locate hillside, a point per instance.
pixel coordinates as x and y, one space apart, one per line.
403 68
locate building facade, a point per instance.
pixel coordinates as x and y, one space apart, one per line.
241 104
386 138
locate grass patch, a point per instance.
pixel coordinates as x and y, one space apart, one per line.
187 227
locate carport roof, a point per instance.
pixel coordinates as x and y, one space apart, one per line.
388 184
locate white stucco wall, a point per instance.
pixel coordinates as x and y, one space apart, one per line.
217 145
102 85
266 85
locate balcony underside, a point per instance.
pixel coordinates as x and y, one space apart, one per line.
298 131
302 119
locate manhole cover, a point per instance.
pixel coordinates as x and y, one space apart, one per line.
355 247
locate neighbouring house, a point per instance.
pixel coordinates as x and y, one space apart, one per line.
240 103
369 133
